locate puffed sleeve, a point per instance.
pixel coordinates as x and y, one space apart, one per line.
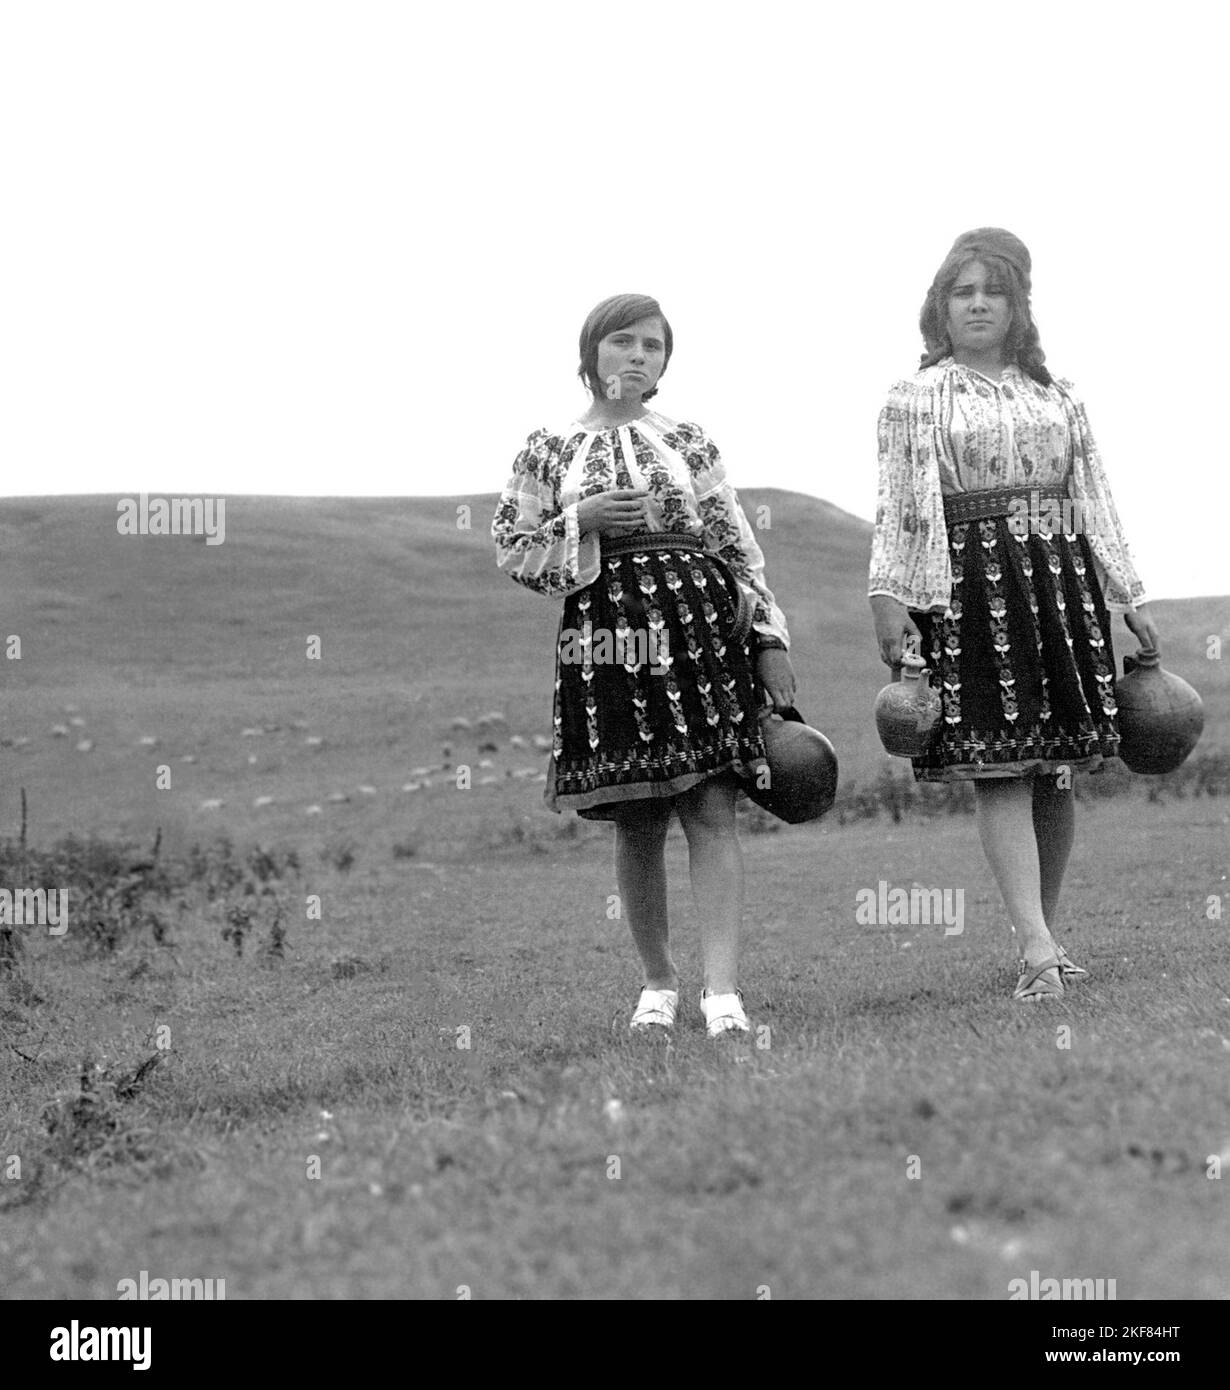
1112 558
909 548
728 533
538 542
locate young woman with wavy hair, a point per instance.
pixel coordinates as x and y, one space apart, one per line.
998 548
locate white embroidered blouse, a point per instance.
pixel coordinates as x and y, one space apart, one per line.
950 429
538 541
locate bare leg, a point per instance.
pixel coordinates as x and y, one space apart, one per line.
1006 828
707 814
1054 828
640 870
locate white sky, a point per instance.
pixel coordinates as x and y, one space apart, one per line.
347 247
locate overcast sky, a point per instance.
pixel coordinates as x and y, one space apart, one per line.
346 248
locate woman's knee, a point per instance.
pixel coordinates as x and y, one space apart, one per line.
1050 786
643 824
709 808
1002 789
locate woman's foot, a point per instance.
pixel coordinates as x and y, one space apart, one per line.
1040 980
1068 968
655 1009
723 1013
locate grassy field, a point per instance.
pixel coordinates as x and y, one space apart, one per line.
295 1111
555 1158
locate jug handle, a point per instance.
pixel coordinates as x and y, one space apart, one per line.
789 713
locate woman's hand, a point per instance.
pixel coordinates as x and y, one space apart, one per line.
777 676
893 626
1141 625
614 513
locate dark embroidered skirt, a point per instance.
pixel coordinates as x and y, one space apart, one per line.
655 687
1023 658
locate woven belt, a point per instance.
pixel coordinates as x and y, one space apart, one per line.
651 540
998 501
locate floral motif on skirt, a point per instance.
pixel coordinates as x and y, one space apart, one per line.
1022 657
653 693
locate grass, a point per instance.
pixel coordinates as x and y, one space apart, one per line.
492 1166
202 1079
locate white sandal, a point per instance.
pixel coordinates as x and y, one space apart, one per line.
724 1013
655 1009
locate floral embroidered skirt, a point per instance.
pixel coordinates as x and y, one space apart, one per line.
1023 657
655 687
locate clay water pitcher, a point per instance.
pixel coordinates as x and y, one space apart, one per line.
1160 716
802 781
908 710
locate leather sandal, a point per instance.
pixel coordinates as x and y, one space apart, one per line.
1068 968
1032 986
655 1009
724 1013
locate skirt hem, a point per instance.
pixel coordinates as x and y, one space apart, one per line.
639 791
972 772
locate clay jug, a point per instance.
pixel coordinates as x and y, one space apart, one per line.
908 710
802 780
1160 716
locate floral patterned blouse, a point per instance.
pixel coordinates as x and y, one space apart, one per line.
950 429
537 538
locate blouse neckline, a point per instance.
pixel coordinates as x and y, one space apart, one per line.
1010 369
574 425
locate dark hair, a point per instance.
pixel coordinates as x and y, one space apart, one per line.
1021 345
610 316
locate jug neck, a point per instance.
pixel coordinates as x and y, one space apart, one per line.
1146 659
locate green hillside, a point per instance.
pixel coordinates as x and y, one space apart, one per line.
171 639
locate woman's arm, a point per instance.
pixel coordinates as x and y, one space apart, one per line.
904 543
1114 566
1120 584
909 548
894 541
539 543
728 533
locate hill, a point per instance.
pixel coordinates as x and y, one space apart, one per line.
188 644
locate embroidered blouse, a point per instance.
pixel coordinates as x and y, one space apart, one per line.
538 540
950 429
